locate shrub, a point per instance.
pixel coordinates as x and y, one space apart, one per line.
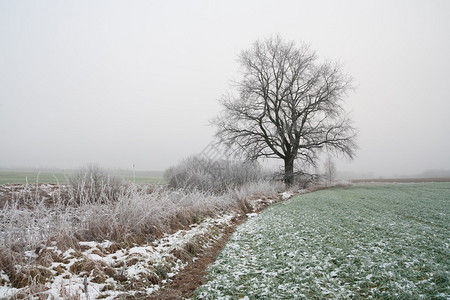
95 185
214 176
301 179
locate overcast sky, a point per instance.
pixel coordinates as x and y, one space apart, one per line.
136 82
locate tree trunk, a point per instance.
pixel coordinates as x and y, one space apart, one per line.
288 171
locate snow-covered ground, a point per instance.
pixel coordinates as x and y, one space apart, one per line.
378 241
102 270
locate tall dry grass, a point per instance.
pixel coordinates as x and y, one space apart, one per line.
140 213
93 184
133 215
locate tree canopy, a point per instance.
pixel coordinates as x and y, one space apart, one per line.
287 105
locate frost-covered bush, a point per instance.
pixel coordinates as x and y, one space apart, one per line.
213 175
94 184
301 179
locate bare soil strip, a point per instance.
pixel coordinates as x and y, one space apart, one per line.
192 276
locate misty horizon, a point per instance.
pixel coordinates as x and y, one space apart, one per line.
123 85
340 175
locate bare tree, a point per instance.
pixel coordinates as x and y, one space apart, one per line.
288 106
330 169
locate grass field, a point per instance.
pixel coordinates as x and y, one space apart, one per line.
12 177
386 241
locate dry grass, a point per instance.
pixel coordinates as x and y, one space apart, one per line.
33 291
138 216
94 185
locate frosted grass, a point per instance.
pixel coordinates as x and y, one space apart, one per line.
371 241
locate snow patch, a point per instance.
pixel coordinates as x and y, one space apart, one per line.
286 195
158 253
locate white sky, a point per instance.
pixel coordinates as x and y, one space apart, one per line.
137 82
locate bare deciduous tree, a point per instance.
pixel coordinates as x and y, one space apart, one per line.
288 106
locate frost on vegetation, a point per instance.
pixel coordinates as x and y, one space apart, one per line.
41 252
218 176
384 241
108 272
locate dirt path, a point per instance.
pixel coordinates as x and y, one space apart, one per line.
187 280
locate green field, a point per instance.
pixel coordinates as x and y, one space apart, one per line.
388 241
13 177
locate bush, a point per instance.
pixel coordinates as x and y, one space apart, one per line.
301 179
94 185
214 176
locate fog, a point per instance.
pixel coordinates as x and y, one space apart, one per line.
122 83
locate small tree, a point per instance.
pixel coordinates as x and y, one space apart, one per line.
288 106
330 169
